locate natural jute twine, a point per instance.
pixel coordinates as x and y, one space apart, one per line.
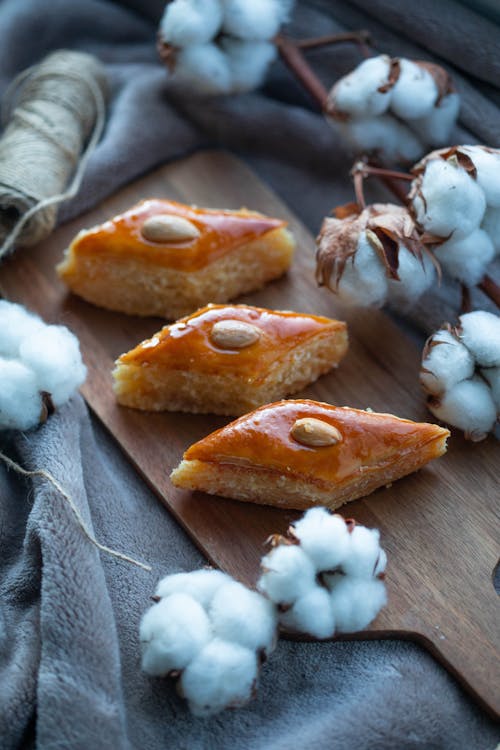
67 497
49 112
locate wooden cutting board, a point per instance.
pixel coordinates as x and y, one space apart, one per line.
439 526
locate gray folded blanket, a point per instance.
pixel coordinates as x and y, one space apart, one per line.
69 654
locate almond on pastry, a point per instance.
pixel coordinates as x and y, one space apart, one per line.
228 359
167 259
301 453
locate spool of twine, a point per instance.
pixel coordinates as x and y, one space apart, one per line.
54 114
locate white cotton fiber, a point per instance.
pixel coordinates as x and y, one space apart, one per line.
480 332
492 375
487 163
356 602
222 675
357 94
491 225
311 614
392 139
201 585
416 275
323 537
248 62
203 68
466 259
288 573
469 406
414 93
242 616
436 127
171 633
187 22
53 353
257 19
15 324
364 550
364 280
447 363
449 201
20 399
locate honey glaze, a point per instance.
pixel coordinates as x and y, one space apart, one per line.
219 233
264 438
189 343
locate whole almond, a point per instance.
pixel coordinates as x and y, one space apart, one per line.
168 228
315 433
234 334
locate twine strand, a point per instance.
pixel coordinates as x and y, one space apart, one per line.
81 522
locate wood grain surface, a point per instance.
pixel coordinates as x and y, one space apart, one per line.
439 526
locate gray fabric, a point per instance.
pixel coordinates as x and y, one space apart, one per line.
69 657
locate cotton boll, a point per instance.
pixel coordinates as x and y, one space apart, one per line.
243 616
449 200
311 614
201 585
491 225
323 537
363 553
258 19
222 675
248 62
171 633
446 364
384 135
364 280
20 399
469 406
53 353
288 574
15 324
492 375
187 22
357 94
487 163
480 332
466 258
436 127
416 275
356 603
204 68
414 93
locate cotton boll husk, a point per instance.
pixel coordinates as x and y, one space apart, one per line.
53 353
466 258
385 135
243 616
436 127
447 363
204 68
171 633
187 22
288 574
201 585
487 164
363 553
20 399
469 406
311 614
356 603
222 675
364 280
15 324
449 201
416 275
414 93
258 19
491 225
357 94
480 332
492 375
323 537
248 62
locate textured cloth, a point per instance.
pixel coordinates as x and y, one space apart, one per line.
69 654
